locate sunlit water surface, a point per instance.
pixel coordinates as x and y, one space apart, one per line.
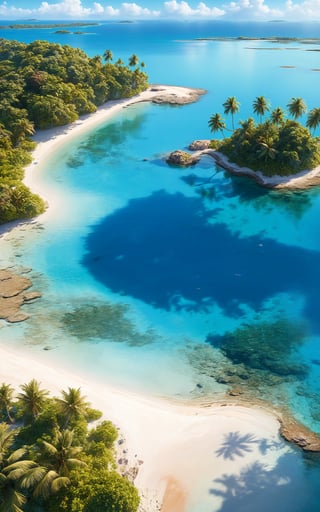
183 283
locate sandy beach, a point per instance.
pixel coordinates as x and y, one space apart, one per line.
52 139
182 451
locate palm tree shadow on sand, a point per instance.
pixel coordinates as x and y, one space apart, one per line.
289 486
236 445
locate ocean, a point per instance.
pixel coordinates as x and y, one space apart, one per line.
181 283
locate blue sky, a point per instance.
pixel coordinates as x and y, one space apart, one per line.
255 10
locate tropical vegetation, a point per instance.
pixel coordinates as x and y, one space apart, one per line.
51 461
43 85
276 145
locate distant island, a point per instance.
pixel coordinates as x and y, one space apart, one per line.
273 39
48 25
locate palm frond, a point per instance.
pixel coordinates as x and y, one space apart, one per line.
32 477
17 455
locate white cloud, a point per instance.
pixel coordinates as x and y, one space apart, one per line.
182 8
136 11
70 8
235 9
303 10
111 12
251 10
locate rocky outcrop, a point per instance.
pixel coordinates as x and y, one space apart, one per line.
294 432
13 296
182 158
172 98
199 145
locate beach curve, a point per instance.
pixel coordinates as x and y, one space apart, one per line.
162 436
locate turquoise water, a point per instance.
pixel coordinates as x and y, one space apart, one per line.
181 283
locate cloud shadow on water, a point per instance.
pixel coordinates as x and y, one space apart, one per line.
163 250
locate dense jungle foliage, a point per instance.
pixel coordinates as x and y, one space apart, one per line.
277 146
43 85
51 461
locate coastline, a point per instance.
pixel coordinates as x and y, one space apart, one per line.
50 140
162 436
300 181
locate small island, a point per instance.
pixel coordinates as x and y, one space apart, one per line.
278 152
18 26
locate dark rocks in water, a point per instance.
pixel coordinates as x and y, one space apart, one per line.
235 392
182 158
13 295
265 346
105 321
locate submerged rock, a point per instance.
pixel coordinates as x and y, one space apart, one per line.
182 158
13 296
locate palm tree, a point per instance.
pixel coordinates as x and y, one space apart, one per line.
261 106
72 404
6 396
231 105
296 107
16 472
108 56
266 151
247 126
313 120
50 484
277 116
21 129
32 399
61 456
216 123
133 61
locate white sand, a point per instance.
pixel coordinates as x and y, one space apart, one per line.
177 443
52 139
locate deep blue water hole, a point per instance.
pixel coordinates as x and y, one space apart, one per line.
162 250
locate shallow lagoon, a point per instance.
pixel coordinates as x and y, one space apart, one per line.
145 269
